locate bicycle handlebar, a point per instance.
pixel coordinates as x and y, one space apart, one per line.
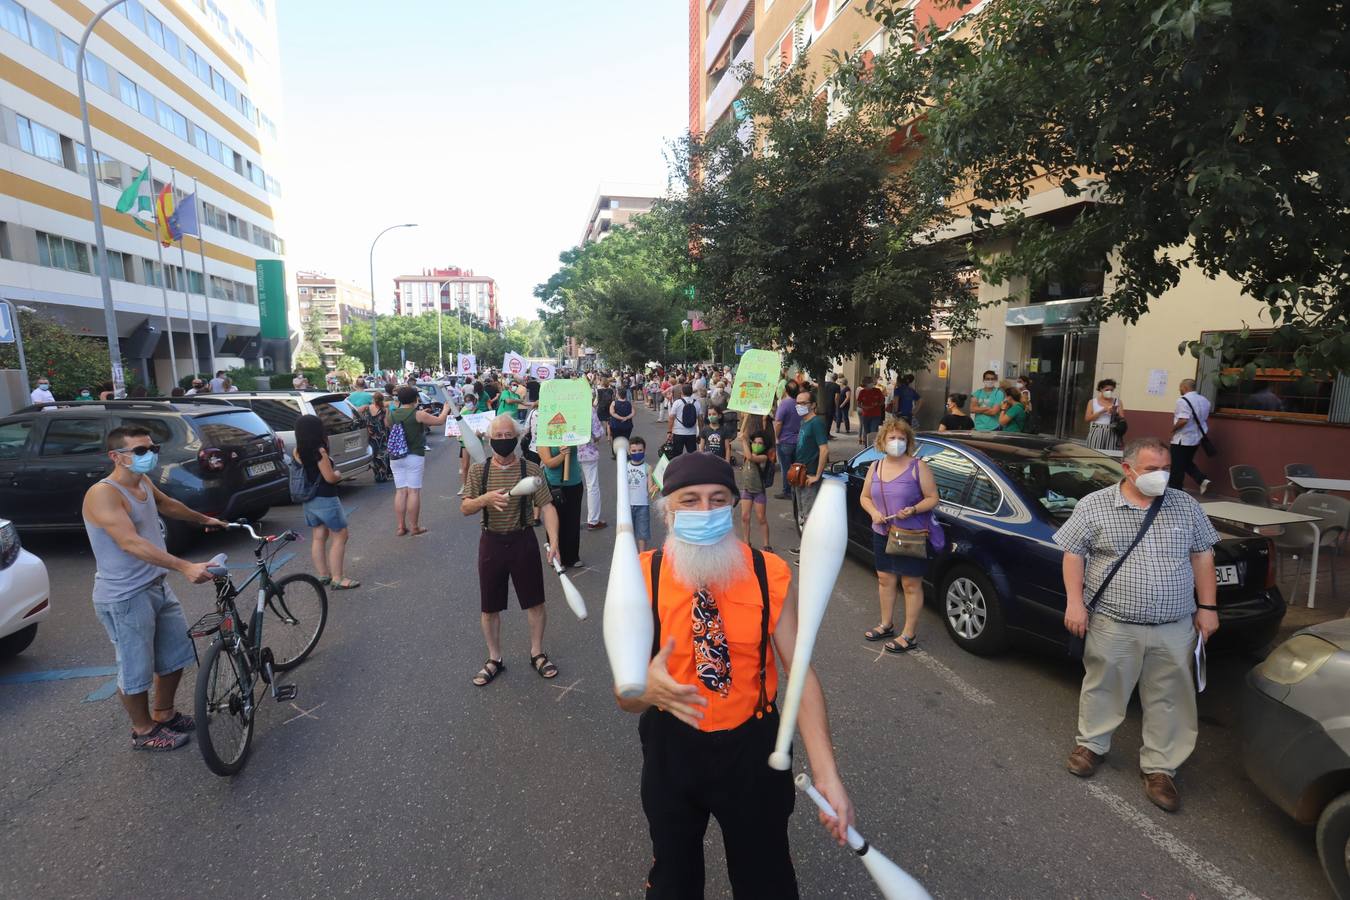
243 525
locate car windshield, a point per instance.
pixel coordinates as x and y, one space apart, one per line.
231 428
1057 475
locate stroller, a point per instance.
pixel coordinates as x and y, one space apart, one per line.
379 449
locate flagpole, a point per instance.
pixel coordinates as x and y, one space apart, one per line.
187 292
164 290
201 253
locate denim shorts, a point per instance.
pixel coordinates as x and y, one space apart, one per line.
149 633
642 523
325 511
910 566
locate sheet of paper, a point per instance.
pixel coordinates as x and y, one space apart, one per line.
479 422
1157 382
1199 665
658 473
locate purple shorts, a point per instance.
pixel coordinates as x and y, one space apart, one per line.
761 498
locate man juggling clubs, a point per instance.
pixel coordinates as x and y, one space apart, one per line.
722 613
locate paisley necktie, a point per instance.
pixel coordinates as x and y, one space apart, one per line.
712 657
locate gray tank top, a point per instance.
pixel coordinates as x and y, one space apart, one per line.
121 575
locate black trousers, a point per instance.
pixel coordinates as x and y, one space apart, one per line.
1183 464
688 775
683 443
569 522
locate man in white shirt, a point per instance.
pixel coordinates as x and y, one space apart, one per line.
195 389
43 392
218 383
1190 423
685 413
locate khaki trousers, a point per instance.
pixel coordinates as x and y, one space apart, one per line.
1159 658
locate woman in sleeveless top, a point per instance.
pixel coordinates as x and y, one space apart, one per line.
620 419
323 511
1101 411
408 471
899 490
752 456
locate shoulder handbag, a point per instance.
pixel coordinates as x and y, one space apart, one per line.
911 542
1205 443
797 475
1076 643
1118 423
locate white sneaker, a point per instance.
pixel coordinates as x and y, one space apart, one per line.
1204 486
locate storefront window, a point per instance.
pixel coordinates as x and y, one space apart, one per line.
1260 381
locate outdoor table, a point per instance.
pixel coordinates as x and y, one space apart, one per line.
1308 483
1263 517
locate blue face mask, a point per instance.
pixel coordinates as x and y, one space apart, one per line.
703 527
636 457
145 464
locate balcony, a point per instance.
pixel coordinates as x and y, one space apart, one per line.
729 87
721 29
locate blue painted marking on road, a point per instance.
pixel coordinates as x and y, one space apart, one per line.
103 693
59 675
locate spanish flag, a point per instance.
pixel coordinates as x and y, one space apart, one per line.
163 211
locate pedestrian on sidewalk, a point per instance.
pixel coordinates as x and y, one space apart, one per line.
841 420
507 548
564 478
409 468
620 418
708 719
1102 410
1144 554
682 428
986 404
640 489
323 512
589 456
1190 428
786 424
828 401
871 408
813 450
956 418
905 402
899 491
752 474
132 598
43 392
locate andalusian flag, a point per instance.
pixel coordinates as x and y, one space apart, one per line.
133 201
163 212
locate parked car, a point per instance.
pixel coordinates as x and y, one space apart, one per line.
1003 496
24 593
1296 738
214 457
348 443
432 396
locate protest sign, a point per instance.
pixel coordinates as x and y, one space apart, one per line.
756 376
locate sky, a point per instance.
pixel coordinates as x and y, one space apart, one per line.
488 123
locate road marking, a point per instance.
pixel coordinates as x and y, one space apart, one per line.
59 675
304 713
381 584
102 693
1170 844
879 653
567 690
963 687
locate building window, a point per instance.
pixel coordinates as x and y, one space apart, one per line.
43 37
39 140
62 253
1261 382
12 19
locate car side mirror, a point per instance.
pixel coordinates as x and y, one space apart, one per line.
839 468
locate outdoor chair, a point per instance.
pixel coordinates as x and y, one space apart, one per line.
1292 490
1297 539
1250 486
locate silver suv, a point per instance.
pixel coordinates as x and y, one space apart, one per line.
347 440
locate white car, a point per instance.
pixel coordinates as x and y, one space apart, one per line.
24 593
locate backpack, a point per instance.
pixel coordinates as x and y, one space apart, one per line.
397 442
688 413
302 489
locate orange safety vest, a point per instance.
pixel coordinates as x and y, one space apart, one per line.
747 622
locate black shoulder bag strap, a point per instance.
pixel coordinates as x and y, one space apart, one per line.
656 598
1148 520
762 574
528 500
1196 416
482 489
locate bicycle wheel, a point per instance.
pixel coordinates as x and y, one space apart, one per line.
296 610
224 710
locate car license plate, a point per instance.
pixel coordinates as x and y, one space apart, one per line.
263 468
355 440
1227 575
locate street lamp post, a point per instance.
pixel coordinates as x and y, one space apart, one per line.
105 283
458 337
374 319
684 326
665 332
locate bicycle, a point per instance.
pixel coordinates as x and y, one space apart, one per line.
237 669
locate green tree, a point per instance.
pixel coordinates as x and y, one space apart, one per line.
1207 133
71 361
809 236
314 332
623 317
307 359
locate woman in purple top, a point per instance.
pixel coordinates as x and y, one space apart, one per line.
899 490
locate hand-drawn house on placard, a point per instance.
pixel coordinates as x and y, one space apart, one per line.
557 427
749 390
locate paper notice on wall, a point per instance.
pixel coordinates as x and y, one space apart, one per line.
1157 382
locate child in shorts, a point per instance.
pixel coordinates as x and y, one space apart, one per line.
640 489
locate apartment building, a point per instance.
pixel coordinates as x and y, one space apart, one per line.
615 205
334 304
450 289
193 84
1033 329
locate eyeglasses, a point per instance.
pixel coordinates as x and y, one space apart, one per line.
140 451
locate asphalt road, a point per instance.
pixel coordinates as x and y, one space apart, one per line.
392 775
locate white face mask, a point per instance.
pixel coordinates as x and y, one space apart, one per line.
802 410
896 447
990 385
1152 484
1108 394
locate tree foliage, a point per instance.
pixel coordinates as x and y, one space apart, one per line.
809 231
1206 133
71 361
416 336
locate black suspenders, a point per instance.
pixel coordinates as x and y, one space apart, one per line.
762 575
525 502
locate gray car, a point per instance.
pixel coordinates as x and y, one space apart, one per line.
1296 738
348 444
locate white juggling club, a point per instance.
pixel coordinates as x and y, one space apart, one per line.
824 541
570 591
893 882
526 486
628 606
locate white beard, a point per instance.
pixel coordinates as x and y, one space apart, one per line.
710 566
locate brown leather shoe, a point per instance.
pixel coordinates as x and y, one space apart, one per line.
1083 762
1161 791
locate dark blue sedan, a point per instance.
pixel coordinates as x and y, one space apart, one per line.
1003 497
